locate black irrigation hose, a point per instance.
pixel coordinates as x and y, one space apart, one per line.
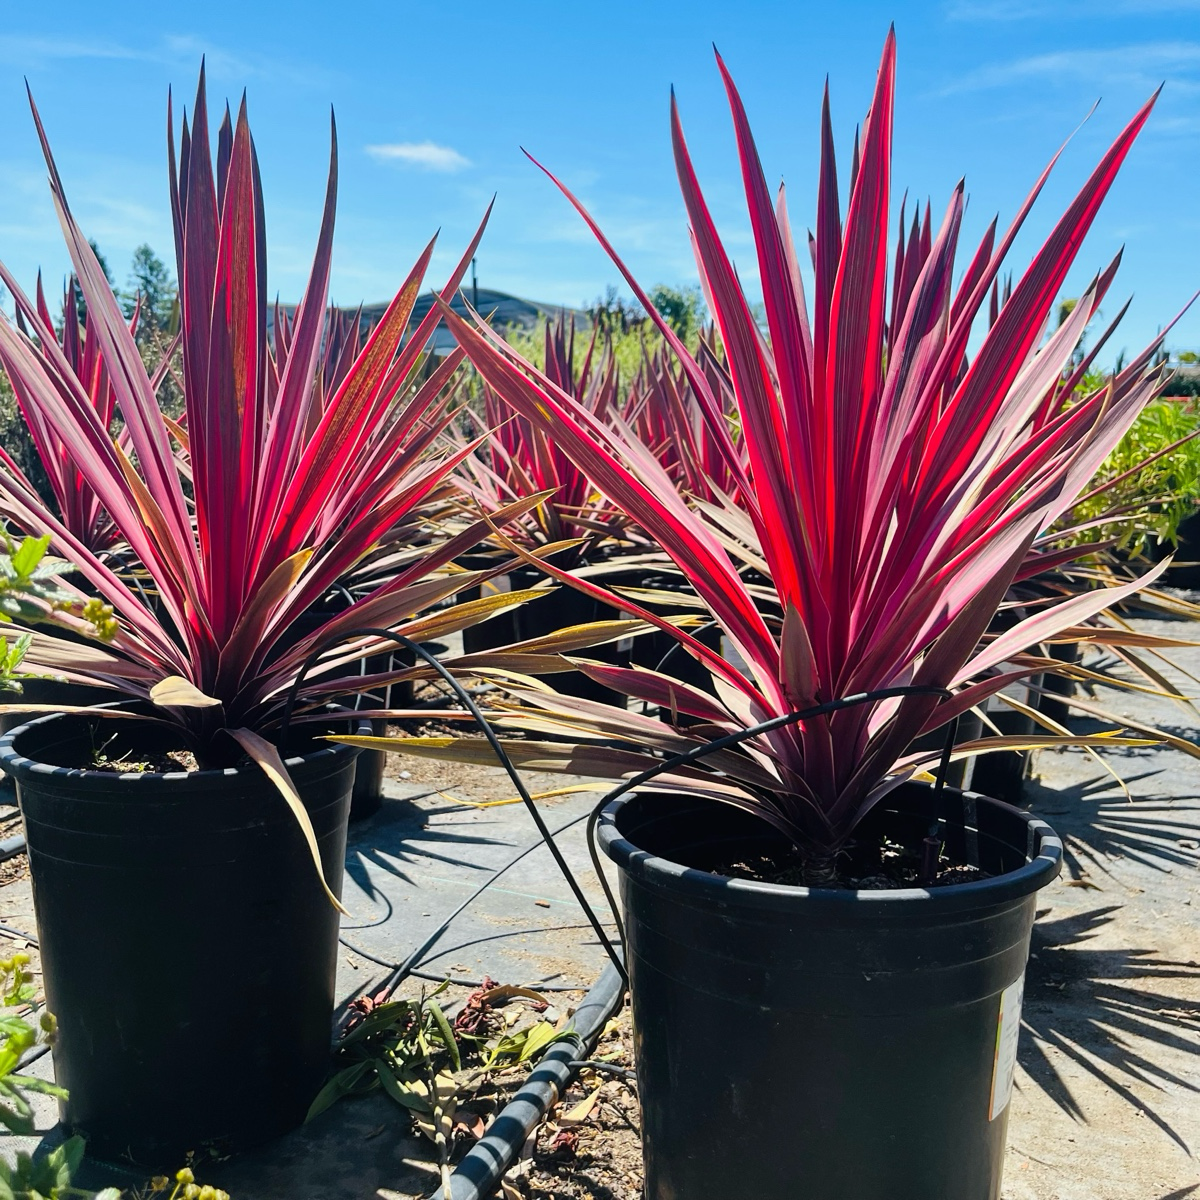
408 967
677 646
11 847
501 754
478 983
480 1172
606 1068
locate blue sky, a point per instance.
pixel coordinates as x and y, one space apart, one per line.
434 101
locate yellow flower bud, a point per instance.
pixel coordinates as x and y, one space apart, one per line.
49 1023
185 1176
20 958
208 1192
191 1192
159 1183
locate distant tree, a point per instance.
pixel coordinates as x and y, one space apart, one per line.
152 282
611 313
683 309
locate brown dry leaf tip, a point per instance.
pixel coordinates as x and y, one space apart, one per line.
502 993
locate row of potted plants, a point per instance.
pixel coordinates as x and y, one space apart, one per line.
843 498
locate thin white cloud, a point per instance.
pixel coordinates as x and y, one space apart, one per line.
172 51
426 156
1033 10
26 50
1147 64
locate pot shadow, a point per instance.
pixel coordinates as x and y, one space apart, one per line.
1092 1004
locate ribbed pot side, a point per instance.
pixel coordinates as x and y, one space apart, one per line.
797 1044
187 948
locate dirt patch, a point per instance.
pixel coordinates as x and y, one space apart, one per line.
590 1146
13 869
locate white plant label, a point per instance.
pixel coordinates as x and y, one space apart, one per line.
1008 1029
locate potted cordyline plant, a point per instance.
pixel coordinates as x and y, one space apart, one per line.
573 525
826 955
185 863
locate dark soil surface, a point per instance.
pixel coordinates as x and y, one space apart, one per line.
883 865
171 761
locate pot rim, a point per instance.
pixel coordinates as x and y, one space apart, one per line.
22 767
1045 858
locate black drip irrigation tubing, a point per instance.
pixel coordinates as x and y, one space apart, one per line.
478 1175
410 965
464 698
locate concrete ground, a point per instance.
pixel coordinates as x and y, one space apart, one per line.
1107 1104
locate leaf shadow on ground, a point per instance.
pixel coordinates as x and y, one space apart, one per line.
1100 825
1093 1005
399 834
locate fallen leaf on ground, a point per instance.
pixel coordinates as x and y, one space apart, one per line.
581 1111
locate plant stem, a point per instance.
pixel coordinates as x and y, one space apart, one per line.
819 870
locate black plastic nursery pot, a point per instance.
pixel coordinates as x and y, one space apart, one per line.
44 690
557 610
367 797
1004 773
187 947
1054 701
659 651
834 1045
961 772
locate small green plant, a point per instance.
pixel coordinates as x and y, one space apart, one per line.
182 1187
426 1065
19 1034
48 1178
1149 483
28 591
